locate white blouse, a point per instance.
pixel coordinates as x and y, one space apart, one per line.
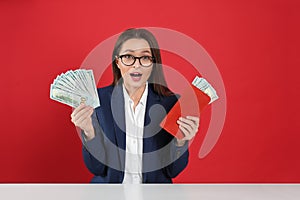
134 137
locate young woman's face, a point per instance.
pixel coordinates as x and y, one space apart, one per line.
135 75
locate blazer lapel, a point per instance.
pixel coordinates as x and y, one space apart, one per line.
151 127
118 113
152 100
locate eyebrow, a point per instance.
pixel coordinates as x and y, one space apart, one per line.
130 50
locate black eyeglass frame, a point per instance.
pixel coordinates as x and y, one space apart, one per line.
135 57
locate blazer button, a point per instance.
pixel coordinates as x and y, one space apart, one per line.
178 154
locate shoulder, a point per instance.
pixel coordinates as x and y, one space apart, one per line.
167 101
106 89
105 94
161 97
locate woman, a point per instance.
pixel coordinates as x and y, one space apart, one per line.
123 142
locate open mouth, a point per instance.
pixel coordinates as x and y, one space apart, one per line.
136 74
136 77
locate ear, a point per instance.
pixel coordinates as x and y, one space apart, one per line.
117 61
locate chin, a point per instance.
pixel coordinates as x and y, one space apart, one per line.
134 84
137 84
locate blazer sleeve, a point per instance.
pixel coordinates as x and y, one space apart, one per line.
94 150
179 156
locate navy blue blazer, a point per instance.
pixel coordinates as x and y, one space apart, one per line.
104 155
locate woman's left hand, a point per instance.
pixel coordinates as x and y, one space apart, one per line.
189 127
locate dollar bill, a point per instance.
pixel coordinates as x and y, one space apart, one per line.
74 87
205 87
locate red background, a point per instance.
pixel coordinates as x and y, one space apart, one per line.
254 44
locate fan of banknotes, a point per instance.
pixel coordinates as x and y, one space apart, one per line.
205 87
75 87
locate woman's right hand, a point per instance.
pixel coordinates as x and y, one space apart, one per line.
81 117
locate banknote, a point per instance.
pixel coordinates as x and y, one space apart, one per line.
75 87
205 87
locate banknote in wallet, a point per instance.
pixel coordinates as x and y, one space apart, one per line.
191 103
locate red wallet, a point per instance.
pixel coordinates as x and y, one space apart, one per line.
191 103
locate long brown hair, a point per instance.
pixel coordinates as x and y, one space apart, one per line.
157 77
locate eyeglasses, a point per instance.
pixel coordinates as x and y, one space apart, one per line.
129 60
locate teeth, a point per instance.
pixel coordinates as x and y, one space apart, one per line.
135 74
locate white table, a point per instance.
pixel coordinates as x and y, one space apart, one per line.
150 191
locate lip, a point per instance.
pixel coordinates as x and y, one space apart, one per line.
136 76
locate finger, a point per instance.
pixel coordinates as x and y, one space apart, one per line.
184 131
84 123
82 112
187 135
189 122
78 113
195 119
78 109
187 126
84 116
192 122
190 127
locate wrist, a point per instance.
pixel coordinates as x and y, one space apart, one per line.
180 143
89 134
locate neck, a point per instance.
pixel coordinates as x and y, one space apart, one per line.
135 93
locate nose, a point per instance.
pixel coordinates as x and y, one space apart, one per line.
136 63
